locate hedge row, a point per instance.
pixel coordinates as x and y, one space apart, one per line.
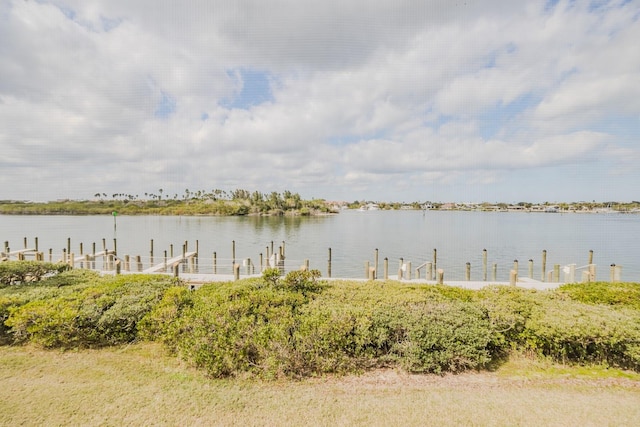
298 325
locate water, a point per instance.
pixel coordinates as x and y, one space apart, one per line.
459 237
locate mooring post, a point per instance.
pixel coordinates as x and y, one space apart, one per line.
467 275
544 264
484 265
151 252
233 252
515 266
115 246
139 262
408 270
176 269
435 260
440 274
171 250
248 266
400 266
494 272
87 261
556 273
386 268
164 263
118 267
615 273
283 248
215 263
307 264
329 264
530 269
513 277
236 271
25 242
64 255
127 263
50 254
590 257
366 269
36 242
376 263
68 245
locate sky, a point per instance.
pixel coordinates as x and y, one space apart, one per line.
400 100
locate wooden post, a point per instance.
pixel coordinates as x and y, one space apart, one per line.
68 245
72 260
494 272
409 270
329 264
118 267
429 273
236 271
386 269
261 263
104 244
248 266
440 275
513 277
435 260
81 249
376 263
151 252
139 262
467 275
307 264
25 243
544 264
233 252
127 263
93 256
115 246
366 269
64 256
530 269
556 273
612 269
164 263
215 263
282 249
50 254
400 265
192 264
176 269
592 272
590 257
484 265
171 250
36 242
515 266
87 263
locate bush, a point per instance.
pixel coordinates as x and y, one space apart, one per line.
101 313
19 272
614 294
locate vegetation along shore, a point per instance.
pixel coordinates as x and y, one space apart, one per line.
243 202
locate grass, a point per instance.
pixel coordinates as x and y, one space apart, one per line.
142 385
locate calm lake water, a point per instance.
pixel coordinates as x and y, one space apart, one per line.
353 237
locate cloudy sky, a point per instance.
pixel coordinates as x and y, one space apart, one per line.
400 100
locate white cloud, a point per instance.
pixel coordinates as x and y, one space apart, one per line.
367 99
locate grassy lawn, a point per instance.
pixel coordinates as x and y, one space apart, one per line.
142 385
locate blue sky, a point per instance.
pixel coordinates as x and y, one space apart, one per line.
388 100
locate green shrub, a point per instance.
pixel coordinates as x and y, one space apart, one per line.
575 332
19 272
614 294
105 312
